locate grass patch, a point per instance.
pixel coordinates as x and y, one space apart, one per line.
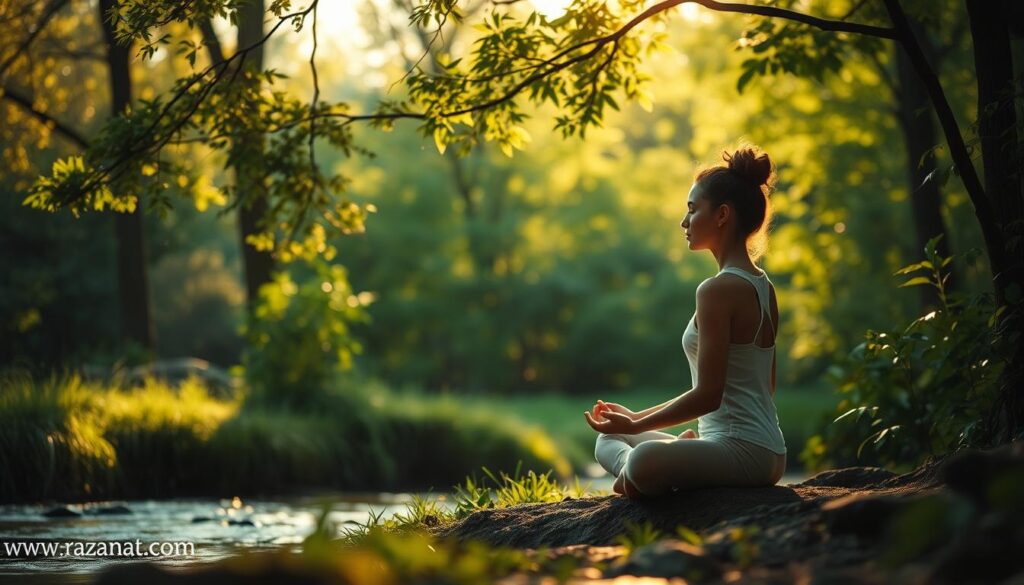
501 490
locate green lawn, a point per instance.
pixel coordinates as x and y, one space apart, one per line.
561 416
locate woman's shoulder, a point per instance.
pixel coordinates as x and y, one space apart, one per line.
720 288
723 282
727 290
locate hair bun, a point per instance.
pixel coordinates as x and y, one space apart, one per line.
752 164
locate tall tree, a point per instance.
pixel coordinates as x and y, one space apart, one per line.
247 149
1004 185
917 124
136 324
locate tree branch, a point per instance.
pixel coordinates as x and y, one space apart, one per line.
212 42
63 129
548 67
218 70
313 169
990 229
771 11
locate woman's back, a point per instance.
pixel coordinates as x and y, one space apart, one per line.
747 410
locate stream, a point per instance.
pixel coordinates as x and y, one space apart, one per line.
205 530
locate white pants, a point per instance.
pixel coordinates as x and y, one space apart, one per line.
657 463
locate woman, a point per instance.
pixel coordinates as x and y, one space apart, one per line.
730 346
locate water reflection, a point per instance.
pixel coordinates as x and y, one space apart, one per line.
217 529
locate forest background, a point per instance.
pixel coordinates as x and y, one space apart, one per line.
532 274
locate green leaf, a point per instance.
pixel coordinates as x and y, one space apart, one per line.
916 281
745 79
439 139
912 267
929 248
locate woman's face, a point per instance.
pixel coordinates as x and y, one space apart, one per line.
700 225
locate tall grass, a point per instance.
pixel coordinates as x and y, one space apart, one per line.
51 442
65 439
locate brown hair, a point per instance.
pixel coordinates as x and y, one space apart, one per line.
745 182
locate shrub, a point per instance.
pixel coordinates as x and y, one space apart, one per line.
300 336
918 391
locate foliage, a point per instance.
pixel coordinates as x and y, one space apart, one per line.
989 511
127 162
64 438
918 391
783 46
562 254
300 337
69 440
638 535
405 557
745 550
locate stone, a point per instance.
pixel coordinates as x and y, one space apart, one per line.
62 512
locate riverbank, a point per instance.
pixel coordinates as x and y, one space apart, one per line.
954 519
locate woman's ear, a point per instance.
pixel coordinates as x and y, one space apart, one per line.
722 214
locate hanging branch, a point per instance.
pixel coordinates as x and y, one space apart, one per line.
49 121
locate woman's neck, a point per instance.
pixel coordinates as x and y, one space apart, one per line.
734 256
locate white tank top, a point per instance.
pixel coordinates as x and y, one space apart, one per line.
747 411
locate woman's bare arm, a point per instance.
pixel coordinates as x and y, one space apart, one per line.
654 409
713 318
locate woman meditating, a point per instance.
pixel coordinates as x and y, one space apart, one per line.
730 346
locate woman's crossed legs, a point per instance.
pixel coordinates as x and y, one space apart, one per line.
654 463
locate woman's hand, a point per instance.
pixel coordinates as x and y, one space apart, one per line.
611 406
613 423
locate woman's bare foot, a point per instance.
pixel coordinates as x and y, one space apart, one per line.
619 486
688 434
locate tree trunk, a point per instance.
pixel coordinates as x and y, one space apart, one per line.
997 132
915 117
984 210
996 115
132 286
250 180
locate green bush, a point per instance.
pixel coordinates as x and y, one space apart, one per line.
300 335
918 391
